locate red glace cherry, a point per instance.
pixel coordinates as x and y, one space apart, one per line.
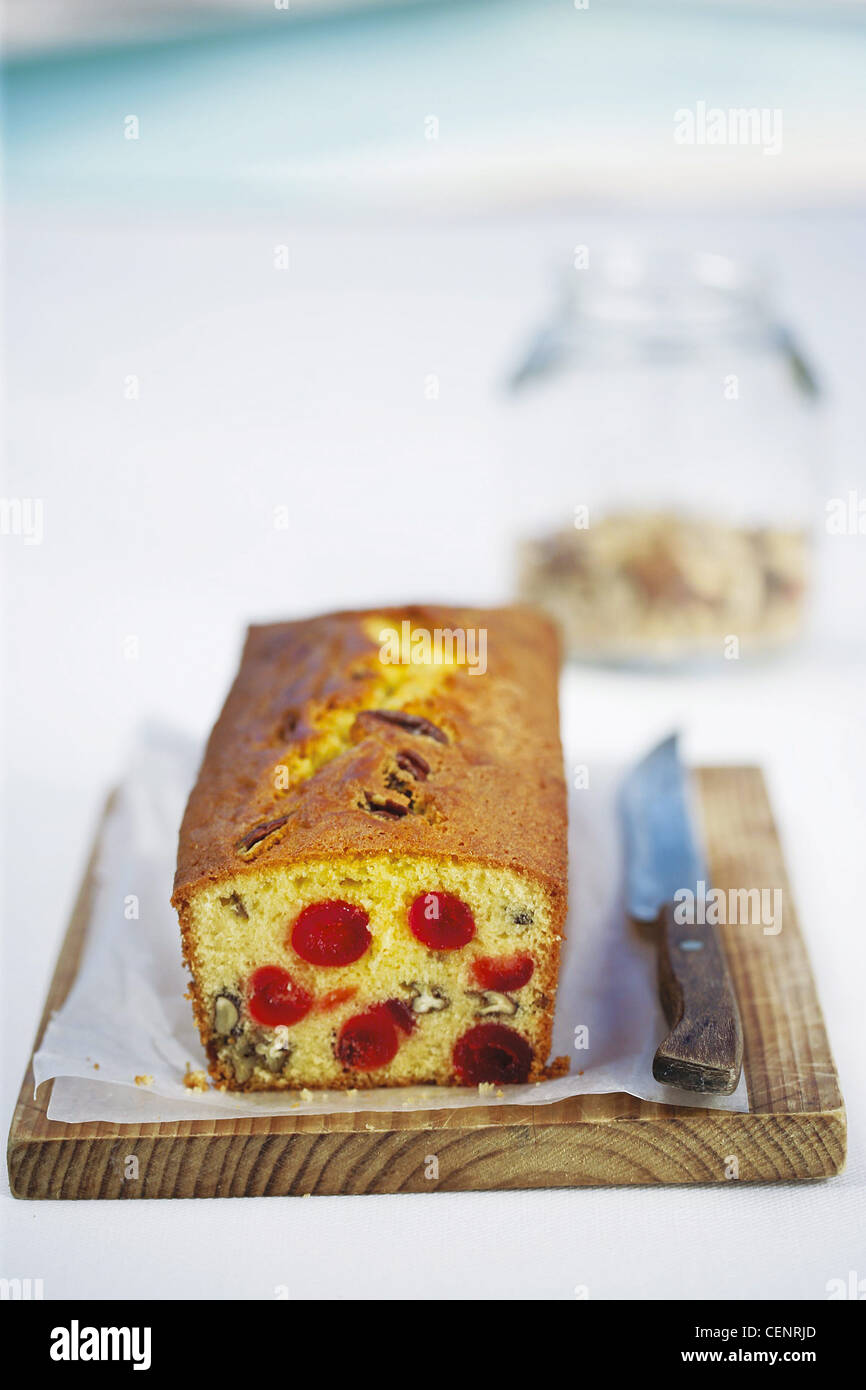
441 921
503 973
331 933
492 1052
368 1040
274 999
400 1013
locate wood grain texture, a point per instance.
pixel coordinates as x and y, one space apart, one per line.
795 1130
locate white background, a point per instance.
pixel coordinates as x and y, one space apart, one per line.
309 390
306 388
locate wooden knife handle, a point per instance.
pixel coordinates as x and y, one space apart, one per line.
704 1049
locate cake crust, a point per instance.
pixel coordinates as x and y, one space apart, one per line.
498 785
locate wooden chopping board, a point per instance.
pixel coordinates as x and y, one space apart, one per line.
795 1129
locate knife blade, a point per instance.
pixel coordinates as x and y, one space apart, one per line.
703 1051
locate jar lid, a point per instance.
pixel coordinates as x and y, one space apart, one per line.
628 305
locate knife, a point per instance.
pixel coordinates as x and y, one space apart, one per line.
704 1049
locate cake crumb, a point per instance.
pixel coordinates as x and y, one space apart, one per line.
96 1066
195 1080
486 1088
307 1096
145 1080
560 1066
351 1094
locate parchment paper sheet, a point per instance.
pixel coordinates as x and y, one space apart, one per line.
127 1013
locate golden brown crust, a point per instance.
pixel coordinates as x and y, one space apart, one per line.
496 793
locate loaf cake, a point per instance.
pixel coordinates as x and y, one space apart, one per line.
371 877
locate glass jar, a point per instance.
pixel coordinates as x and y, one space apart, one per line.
662 432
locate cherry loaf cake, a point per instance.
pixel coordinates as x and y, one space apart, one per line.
371 877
